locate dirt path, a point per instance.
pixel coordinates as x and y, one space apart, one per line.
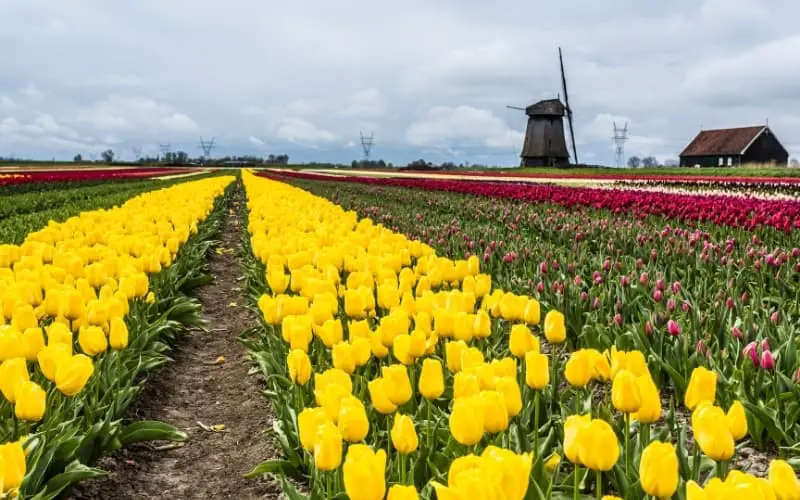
193 389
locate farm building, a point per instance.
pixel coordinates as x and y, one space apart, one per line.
734 146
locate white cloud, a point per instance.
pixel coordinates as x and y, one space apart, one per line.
367 103
445 125
299 131
131 113
255 141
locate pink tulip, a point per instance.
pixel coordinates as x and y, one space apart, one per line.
743 298
623 280
676 287
673 328
764 344
767 360
648 328
618 319
576 280
774 317
671 304
596 303
660 284
643 278
686 306
701 348
584 296
657 295
540 287
737 333
751 351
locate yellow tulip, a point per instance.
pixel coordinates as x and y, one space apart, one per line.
573 429
364 473
495 414
601 370
702 387
402 492
299 366
694 491
51 357
32 341
650 410
74 305
551 463
12 466
24 318
402 349
625 393
31 402
397 384
92 340
537 371
578 371
431 379
466 420
404 437
509 388
328 447
361 350
118 334
514 469
482 325
711 432
13 373
465 384
453 350
343 359
353 423
379 396
308 422
73 373
58 333
598 448
532 312
471 358
737 420
554 329
658 470
783 480
522 341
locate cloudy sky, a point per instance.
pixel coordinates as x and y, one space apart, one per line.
429 78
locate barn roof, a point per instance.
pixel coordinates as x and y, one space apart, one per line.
726 141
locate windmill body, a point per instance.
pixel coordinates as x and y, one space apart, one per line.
545 144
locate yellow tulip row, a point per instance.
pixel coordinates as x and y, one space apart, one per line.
374 309
68 288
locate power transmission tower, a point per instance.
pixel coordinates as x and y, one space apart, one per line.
620 136
165 150
366 145
137 153
207 147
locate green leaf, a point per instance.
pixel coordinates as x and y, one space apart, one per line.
74 473
150 430
275 466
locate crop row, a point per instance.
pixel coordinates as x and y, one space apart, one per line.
398 372
106 174
89 306
732 211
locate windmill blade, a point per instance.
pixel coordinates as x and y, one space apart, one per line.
566 105
516 107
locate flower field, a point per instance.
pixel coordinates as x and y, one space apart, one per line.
34 175
413 338
89 306
566 348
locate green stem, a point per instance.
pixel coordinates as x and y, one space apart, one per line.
627 445
329 484
402 469
721 469
554 375
536 423
599 476
696 462
430 425
575 485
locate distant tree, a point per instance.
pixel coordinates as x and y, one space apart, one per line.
671 163
181 158
634 162
107 155
649 161
78 158
794 163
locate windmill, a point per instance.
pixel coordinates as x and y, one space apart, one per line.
545 143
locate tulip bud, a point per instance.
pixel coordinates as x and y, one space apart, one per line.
431 380
648 328
765 344
751 351
73 373
737 333
540 287
676 287
671 304
352 419
624 281
31 402
466 420
658 470
657 295
783 480
686 306
643 278
774 317
673 328
400 492
767 360
328 447
596 303
618 319
12 464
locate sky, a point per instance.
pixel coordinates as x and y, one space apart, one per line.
430 79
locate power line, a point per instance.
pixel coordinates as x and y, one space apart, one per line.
206 146
620 136
367 142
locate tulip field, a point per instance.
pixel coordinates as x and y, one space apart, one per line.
459 339
415 337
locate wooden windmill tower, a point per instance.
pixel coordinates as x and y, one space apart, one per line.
545 144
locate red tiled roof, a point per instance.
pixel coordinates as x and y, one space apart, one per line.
728 141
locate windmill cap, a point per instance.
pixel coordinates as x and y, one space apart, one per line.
546 107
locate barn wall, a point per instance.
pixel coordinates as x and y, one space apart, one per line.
708 161
766 149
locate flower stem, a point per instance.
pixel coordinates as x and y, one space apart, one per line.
575 485
627 445
536 423
430 424
599 476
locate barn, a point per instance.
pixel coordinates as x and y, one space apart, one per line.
734 146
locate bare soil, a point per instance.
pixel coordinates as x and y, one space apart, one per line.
193 390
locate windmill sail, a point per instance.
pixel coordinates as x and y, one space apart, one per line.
568 108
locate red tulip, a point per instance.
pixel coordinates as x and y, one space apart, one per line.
767 360
751 351
673 327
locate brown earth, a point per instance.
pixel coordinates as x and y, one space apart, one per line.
193 390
